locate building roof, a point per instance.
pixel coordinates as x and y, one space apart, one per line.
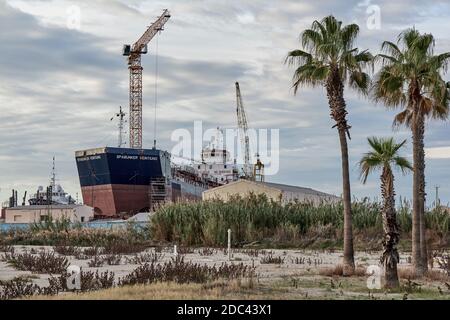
296 189
45 207
141 217
280 187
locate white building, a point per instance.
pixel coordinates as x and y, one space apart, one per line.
38 213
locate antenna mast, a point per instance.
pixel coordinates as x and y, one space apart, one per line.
122 121
53 177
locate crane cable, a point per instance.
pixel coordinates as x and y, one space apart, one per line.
156 87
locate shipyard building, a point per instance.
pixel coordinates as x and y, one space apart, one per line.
274 191
37 213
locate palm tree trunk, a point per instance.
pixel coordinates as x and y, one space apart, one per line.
390 256
335 93
423 240
349 261
416 216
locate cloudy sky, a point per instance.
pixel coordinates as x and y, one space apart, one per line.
62 76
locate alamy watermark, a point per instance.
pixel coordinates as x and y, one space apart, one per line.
374 280
73 17
263 143
372 15
74 279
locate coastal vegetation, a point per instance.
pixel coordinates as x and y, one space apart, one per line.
255 218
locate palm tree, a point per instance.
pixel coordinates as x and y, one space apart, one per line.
384 155
329 60
411 78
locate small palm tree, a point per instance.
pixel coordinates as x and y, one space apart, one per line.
411 78
329 59
384 156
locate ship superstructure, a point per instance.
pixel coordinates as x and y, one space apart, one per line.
53 194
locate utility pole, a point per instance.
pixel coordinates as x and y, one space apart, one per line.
437 202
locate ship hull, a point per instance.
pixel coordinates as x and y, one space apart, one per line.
118 181
115 181
115 199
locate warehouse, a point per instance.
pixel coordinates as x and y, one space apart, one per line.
274 191
38 213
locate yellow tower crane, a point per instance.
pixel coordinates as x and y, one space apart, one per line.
134 62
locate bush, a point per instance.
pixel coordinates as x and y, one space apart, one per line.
17 287
270 259
77 237
181 272
44 262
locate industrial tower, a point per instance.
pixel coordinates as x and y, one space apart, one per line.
134 61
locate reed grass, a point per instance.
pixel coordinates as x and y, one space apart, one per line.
256 218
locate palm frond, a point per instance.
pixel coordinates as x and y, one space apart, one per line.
403 164
349 34
392 50
384 153
326 45
311 39
360 81
298 57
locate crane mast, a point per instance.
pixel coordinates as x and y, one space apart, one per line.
134 54
243 133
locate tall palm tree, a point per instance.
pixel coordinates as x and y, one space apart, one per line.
411 78
328 59
384 156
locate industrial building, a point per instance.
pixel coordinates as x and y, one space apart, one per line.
273 191
38 213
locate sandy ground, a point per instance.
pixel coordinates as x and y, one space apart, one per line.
295 262
300 268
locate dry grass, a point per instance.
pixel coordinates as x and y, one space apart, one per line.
306 287
432 275
236 289
338 271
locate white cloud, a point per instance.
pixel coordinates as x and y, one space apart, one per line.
438 153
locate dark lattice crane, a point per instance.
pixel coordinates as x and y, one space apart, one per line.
134 61
243 133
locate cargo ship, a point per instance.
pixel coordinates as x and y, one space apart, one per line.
120 182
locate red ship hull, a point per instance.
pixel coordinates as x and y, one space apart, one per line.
115 199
